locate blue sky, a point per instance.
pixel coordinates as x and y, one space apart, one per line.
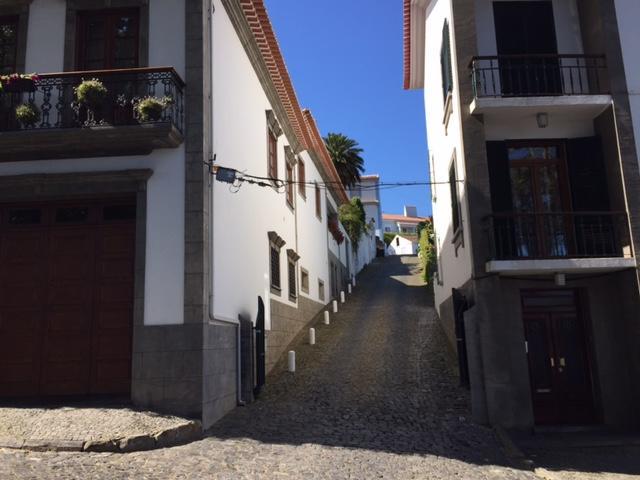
345 60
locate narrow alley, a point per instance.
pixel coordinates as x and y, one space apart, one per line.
374 398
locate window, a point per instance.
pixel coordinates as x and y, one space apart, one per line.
320 289
275 268
445 62
318 202
273 155
397 241
290 185
275 245
292 260
304 280
8 44
108 39
455 201
302 178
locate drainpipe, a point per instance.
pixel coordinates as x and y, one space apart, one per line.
211 182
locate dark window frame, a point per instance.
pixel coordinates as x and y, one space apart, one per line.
76 7
446 62
292 279
318 201
321 292
275 272
110 16
302 179
290 185
19 15
272 154
456 210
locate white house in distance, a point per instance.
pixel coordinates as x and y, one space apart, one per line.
402 246
528 120
406 223
126 266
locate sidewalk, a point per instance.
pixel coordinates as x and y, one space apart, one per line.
92 428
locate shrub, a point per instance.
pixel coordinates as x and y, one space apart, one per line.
150 109
27 114
91 92
427 251
354 220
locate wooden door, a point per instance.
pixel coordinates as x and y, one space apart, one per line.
557 352
66 298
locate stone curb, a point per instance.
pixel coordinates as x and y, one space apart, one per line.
515 456
170 437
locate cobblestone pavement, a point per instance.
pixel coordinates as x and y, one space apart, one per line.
601 463
375 398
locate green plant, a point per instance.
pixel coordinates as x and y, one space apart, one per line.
150 109
91 92
353 218
388 237
427 250
27 114
346 155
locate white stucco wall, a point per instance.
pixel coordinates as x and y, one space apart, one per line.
445 146
628 13
164 274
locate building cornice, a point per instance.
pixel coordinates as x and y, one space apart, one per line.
414 42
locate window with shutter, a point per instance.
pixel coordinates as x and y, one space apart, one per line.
318 203
302 178
293 290
273 155
445 62
8 44
290 185
275 268
320 289
455 203
304 280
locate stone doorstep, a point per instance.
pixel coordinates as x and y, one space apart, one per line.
170 437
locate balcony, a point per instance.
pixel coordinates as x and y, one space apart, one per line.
566 242
66 128
549 83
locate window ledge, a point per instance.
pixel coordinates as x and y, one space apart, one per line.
276 291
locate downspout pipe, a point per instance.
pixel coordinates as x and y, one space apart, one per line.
213 320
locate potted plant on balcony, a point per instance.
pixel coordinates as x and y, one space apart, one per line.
150 109
18 82
91 93
27 114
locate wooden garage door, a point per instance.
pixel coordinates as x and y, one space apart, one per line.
66 298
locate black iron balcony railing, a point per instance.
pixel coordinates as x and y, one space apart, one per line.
538 75
528 236
53 99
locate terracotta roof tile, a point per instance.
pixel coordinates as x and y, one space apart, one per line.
407 43
303 123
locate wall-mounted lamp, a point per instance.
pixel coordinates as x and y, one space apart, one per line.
542 119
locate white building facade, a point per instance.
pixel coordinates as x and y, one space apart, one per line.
535 206
121 253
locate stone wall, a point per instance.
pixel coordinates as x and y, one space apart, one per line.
286 323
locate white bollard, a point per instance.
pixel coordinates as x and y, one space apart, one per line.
354 281
349 289
312 336
335 306
326 318
292 361
342 296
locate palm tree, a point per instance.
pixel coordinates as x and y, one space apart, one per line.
345 153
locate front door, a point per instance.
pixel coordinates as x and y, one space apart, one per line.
559 366
527 48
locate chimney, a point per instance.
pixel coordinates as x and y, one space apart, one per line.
410 211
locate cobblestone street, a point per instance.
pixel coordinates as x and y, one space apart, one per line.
375 398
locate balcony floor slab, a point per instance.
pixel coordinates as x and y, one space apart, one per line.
99 141
589 106
561 265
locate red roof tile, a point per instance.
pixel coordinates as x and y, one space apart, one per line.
407 43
